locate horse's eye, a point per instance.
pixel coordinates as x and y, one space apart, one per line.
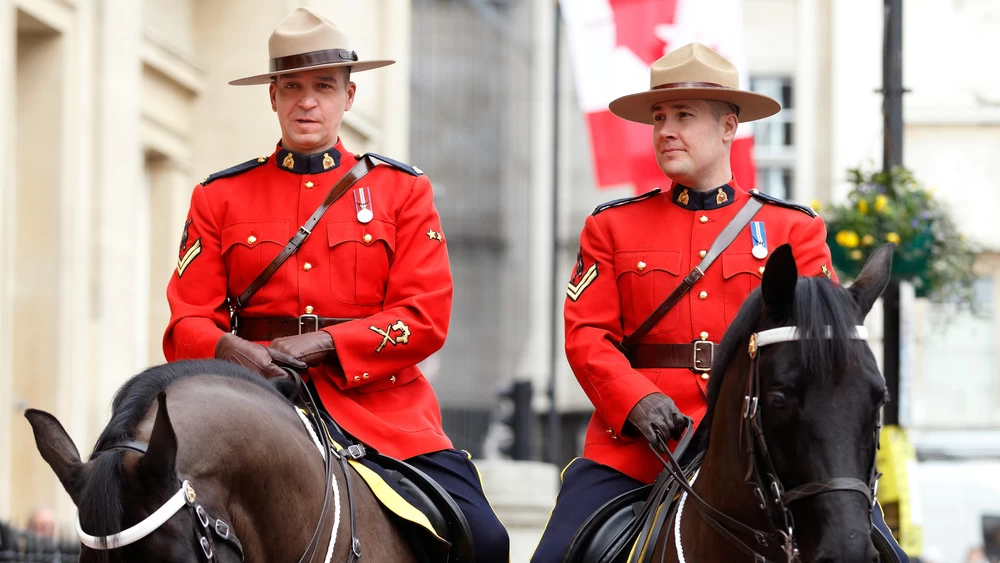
776 399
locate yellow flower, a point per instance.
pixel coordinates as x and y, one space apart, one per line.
867 240
863 206
847 239
816 206
856 254
892 237
881 202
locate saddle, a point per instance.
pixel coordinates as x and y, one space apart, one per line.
430 498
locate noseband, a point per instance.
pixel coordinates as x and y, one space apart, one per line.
753 443
206 527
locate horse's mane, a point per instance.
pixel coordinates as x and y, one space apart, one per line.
819 303
101 510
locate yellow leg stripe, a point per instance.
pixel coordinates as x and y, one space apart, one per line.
391 499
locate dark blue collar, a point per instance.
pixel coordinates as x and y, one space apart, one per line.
307 163
694 200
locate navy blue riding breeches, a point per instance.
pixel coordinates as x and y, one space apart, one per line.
454 471
587 485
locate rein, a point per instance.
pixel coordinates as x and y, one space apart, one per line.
207 527
776 504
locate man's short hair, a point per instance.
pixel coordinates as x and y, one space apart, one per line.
720 108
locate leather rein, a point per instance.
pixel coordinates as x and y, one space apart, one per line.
761 473
208 528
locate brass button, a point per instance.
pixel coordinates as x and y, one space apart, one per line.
703 335
307 266
760 270
309 309
392 379
251 239
364 375
367 239
703 295
641 265
704 376
261 158
703 218
754 191
309 185
357 378
702 253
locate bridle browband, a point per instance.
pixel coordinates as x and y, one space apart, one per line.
216 527
206 527
777 501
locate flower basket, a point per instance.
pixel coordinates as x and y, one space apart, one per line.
893 207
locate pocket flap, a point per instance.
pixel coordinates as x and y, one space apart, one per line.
366 234
742 263
252 233
642 262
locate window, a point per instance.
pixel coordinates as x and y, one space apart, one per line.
774 143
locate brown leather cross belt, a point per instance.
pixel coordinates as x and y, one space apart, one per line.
268 328
696 356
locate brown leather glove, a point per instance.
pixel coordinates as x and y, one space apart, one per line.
248 354
311 348
657 419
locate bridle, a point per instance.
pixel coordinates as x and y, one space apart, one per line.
207 528
761 474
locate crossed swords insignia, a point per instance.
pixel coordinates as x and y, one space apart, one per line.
387 334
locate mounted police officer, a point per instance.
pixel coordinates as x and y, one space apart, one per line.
359 302
635 252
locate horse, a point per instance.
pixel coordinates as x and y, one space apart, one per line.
203 460
791 430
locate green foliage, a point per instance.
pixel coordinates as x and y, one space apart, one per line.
893 206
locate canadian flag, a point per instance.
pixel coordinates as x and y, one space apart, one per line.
613 43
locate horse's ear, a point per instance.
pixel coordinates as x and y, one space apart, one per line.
871 282
58 450
777 285
157 465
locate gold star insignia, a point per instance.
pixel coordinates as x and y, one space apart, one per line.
826 271
434 235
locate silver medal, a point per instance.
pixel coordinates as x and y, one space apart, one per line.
365 215
759 252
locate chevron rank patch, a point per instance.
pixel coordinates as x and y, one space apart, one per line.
582 277
187 254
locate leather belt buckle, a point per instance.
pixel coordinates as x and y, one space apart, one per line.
304 321
704 352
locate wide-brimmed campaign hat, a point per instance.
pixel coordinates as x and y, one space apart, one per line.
694 72
305 40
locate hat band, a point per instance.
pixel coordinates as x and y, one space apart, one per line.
690 85
312 58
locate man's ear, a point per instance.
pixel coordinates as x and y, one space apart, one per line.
273 89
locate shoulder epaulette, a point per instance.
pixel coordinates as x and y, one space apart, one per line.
625 200
234 170
771 199
411 170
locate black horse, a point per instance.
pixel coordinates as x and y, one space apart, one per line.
792 427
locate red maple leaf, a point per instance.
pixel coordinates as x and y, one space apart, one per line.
635 21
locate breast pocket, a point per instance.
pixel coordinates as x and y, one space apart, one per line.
645 279
360 257
741 274
247 249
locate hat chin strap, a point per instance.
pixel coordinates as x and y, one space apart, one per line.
140 530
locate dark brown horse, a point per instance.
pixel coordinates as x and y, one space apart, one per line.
792 427
230 463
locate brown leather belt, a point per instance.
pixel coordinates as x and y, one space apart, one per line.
269 328
696 356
